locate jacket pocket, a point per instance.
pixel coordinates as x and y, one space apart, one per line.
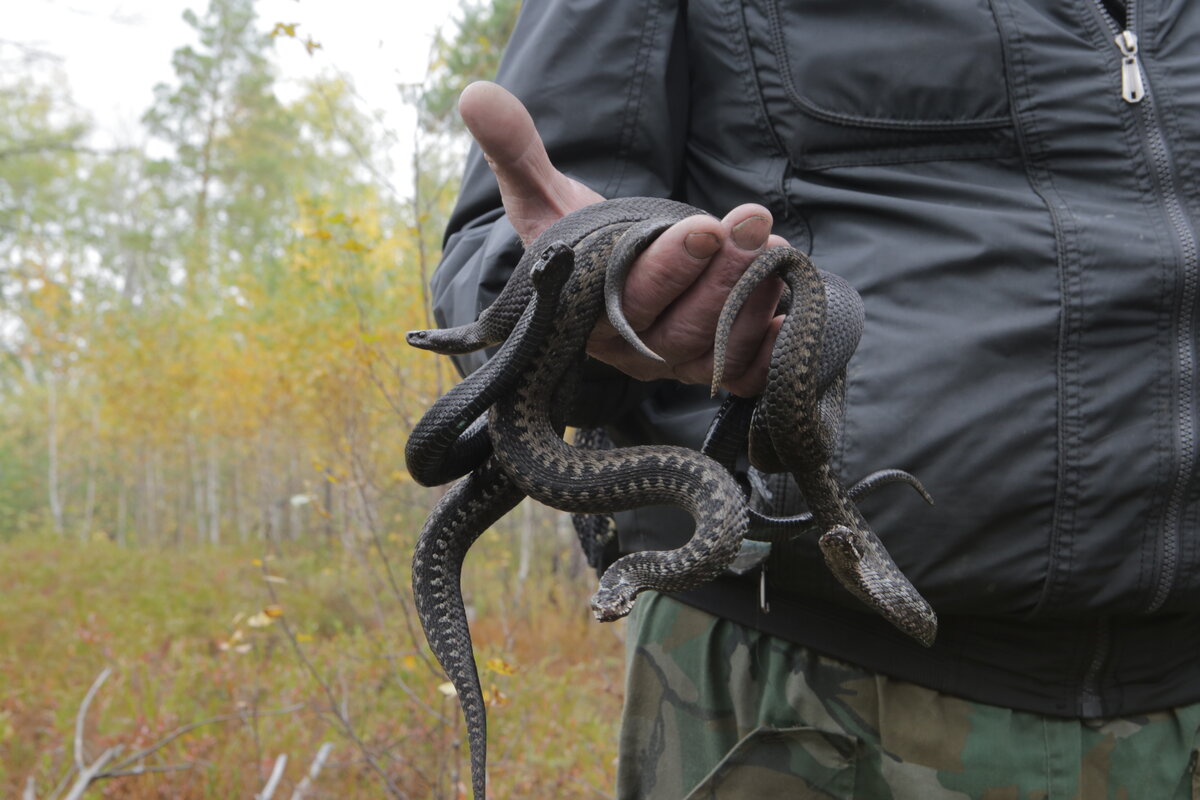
795 763
875 81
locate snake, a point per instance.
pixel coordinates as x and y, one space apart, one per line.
786 430
451 437
503 430
526 425
521 451
467 509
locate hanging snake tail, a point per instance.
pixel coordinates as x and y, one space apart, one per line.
633 241
766 528
724 443
451 437
476 502
469 508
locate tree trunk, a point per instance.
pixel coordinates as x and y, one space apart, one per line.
122 508
236 499
527 523
196 477
213 487
56 511
328 507
568 544
89 494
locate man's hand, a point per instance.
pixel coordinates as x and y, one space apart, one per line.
675 289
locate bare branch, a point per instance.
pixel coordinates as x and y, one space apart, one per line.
313 771
126 766
346 726
273 782
58 146
80 757
144 770
88 774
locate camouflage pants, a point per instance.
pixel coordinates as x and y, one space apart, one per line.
716 710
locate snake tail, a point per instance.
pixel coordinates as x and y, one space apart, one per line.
626 250
463 514
765 528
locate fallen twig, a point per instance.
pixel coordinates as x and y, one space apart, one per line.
276 776
314 770
107 764
345 724
80 756
88 773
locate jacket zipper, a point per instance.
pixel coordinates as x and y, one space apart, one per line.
1134 90
1132 87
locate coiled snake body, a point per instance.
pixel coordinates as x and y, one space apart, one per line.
786 430
543 318
525 427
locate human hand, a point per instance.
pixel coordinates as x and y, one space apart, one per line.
675 289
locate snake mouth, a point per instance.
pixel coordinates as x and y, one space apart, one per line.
611 603
449 341
418 338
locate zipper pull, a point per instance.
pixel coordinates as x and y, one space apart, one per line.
1132 88
762 590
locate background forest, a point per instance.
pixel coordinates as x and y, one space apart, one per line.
205 522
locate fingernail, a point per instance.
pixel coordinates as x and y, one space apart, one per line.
750 234
701 245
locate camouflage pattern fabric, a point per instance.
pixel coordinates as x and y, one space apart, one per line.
717 711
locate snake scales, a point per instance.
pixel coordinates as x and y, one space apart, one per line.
567 278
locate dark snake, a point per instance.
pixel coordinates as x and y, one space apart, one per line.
519 450
474 503
524 430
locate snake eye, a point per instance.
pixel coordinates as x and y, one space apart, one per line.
557 256
610 604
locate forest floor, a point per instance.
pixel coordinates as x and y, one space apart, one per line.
276 658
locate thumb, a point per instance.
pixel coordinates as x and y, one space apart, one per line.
534 192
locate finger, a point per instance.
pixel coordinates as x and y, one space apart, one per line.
684 331
750 382
535 193
668 267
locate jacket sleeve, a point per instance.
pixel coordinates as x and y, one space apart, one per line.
606 84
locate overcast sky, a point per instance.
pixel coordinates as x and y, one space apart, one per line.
115 51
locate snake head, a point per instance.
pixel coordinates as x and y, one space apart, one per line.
879 584
449 341
610 603
552 267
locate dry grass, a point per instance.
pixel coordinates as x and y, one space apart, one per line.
186 637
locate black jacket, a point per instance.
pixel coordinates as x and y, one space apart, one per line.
1024 239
